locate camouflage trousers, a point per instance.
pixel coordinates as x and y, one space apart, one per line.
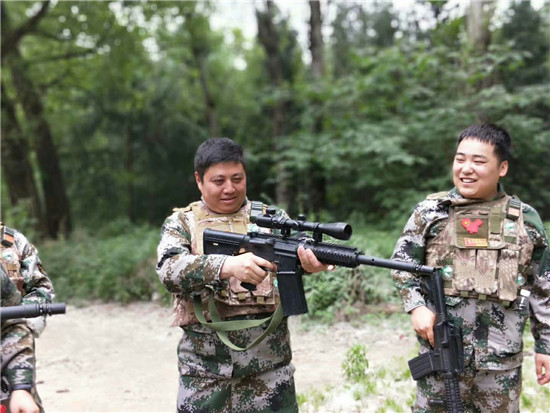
214 378
492 339
481 391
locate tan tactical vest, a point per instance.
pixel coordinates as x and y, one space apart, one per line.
483 248
234 299
11 257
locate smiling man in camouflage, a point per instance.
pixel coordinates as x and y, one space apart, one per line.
493 250
214 377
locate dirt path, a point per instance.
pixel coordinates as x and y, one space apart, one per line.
112 358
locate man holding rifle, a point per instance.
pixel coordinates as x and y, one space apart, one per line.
23 268
492 249
215 375
17 356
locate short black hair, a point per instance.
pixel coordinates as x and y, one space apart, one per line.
217 150
493 134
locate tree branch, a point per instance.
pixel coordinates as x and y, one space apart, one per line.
11 39
66 56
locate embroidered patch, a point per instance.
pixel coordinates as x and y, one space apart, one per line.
474 242
9 256
472 227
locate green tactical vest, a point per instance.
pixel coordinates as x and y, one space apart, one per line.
484 249
235 294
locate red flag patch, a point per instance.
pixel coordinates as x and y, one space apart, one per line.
471 227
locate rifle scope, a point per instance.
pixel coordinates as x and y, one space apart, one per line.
338 230
31 310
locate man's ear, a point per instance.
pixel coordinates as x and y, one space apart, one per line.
503 169
198 179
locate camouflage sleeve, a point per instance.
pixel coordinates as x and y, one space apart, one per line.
9 294
411 247
37 285
539 300
180 271
18 362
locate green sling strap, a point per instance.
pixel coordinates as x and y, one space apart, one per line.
221 327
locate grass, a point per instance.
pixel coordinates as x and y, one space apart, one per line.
390 388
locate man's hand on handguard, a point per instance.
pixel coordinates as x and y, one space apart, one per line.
423 320
542 366
310 263
246 267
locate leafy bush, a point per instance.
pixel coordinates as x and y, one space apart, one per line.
109 265
334 293
355 364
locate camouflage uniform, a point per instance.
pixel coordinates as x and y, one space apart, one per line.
213 377
25 270
17 356
491 323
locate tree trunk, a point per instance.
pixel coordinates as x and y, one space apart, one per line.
316 178
270 41
316 40
211 115
16 166
129 170
478 19
57 209
200 51
479 36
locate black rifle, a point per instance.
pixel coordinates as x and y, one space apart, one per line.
282 250
31 310
447 356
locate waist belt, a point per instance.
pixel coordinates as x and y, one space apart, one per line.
481 297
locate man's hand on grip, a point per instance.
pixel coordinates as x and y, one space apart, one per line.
423 321
247 268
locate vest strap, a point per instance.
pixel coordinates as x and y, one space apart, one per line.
221 327
495 219
513 209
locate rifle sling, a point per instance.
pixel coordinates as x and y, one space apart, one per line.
221 327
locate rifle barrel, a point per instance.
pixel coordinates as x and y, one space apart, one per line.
31 310
395 265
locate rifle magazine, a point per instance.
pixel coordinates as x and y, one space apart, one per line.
424 364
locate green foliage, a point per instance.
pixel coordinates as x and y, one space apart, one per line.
106 265
335 294
123 94
315 398
19 218
355 364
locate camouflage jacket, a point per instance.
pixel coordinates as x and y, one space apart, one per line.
411 247
183 269
26 271
17 355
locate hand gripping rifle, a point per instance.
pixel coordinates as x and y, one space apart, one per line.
447 356
31 310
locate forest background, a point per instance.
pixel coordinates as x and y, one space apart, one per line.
104 104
